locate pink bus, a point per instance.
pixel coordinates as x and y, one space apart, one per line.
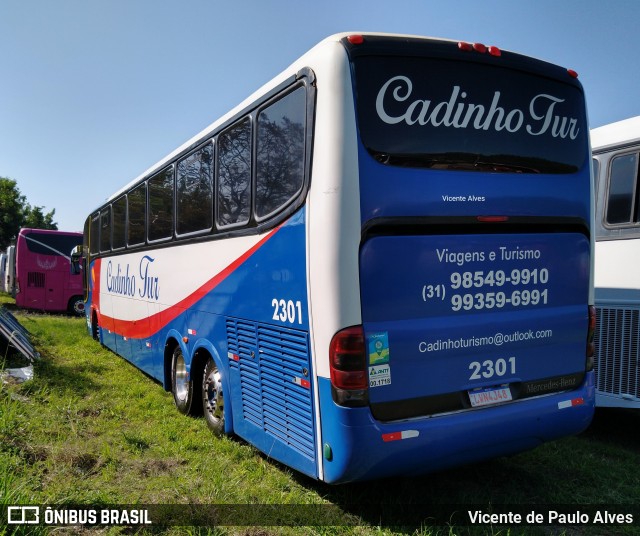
43 271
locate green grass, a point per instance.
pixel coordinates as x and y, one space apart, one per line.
90 429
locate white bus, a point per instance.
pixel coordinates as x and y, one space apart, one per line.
616 157
378 264
3 269
9 281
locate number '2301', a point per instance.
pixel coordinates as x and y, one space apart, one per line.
489 368
287 311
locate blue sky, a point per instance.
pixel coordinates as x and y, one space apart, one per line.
93 92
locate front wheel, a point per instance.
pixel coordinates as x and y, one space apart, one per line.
95 328
183 385
213 398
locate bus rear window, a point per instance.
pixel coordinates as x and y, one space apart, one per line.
51 244
459 115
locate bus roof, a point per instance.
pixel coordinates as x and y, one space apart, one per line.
25 230
620 133
291 70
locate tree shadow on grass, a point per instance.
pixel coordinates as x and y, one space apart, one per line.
541 480
71 379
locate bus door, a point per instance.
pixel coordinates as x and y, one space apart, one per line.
34 289
55 284
475 255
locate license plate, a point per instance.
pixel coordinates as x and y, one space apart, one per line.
490 395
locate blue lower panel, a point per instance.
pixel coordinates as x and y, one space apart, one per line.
363 448
108 338
271 391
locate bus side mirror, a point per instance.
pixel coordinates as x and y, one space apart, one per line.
76 258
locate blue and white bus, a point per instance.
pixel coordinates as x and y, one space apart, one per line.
616 154
378 264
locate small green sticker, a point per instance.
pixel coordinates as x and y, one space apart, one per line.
378 348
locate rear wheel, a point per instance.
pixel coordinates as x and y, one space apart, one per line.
184 386
213 398
76 306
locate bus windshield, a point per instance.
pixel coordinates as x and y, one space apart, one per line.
446 114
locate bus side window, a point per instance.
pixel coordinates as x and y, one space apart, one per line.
234 175
119 207
105 229
621 201
137 203
194 187
280 152
161 205
94 236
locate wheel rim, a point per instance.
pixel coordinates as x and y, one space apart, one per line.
213 396
78 307
181 379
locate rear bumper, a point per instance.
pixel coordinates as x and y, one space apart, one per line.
362 448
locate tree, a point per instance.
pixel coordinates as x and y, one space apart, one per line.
15 213
35 219
11 211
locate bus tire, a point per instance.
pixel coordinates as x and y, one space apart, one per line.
213 398
183 385
95 328
76 306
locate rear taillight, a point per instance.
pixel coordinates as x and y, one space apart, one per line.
347 360
480 48
591 349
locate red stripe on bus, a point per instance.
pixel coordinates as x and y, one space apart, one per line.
146 327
